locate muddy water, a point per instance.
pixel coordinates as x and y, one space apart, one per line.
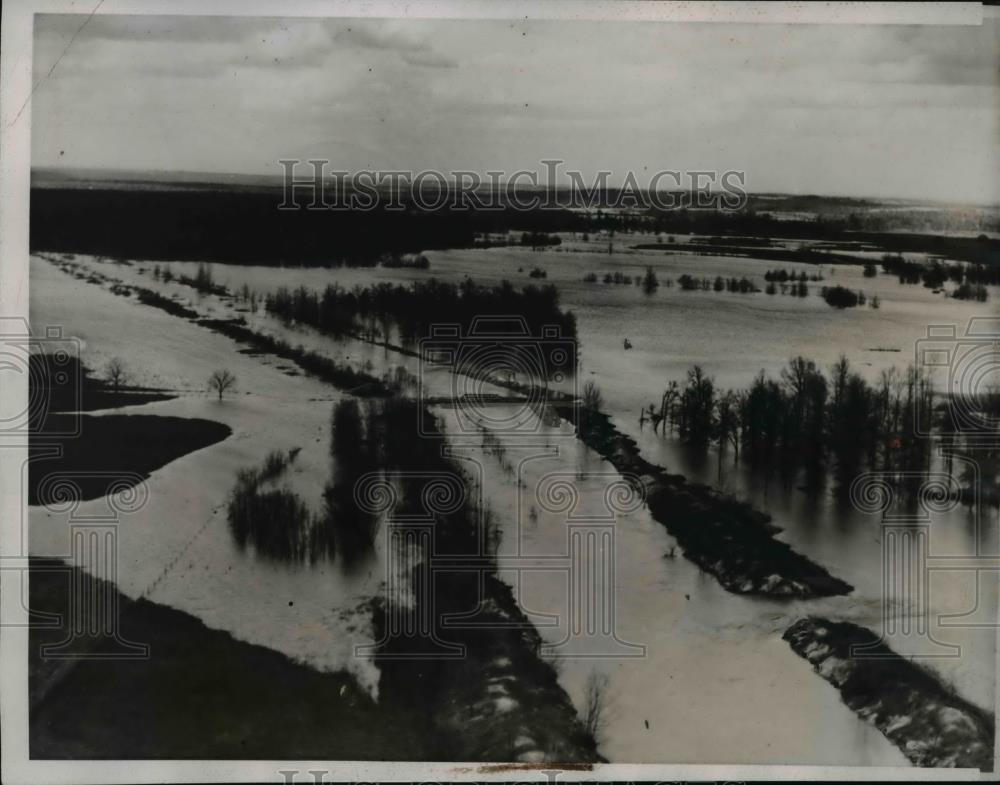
734 337
694 673
715 682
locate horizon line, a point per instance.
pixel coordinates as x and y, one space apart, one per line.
139 174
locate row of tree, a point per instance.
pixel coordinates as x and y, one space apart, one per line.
935 274
805 417
786 276
649 281
242 226
799 289
414 310
740 285
378 439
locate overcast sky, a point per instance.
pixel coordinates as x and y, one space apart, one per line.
875 110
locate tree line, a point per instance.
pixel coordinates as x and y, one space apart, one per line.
784 276
372 311
742 285
234 225
805 417
971 279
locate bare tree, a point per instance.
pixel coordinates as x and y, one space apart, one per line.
592 398
595 703
115 370
220 381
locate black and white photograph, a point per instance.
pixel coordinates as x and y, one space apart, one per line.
535 392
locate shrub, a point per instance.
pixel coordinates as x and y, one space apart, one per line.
593 400
650 283
968 291
839 297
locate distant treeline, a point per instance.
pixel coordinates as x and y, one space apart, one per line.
231 226
245 226
766 253
741 225
413 310
744 285
617 277
784 276
972 279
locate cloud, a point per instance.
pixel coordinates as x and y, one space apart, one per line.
408 42
190 46
793 102
428 59
137 27
381 34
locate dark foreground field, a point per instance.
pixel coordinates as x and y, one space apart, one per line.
200 694
111 451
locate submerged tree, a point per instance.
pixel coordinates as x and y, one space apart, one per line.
807 416
355 452
650 283
696 408
727 424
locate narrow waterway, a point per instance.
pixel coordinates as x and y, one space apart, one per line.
694 672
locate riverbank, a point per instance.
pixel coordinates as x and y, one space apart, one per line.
501 702
725 537
497 703
456 648
931 725
200 694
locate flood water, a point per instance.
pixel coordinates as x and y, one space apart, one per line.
694 672
715 681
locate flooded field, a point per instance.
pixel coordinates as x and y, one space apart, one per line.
508 396
746 695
